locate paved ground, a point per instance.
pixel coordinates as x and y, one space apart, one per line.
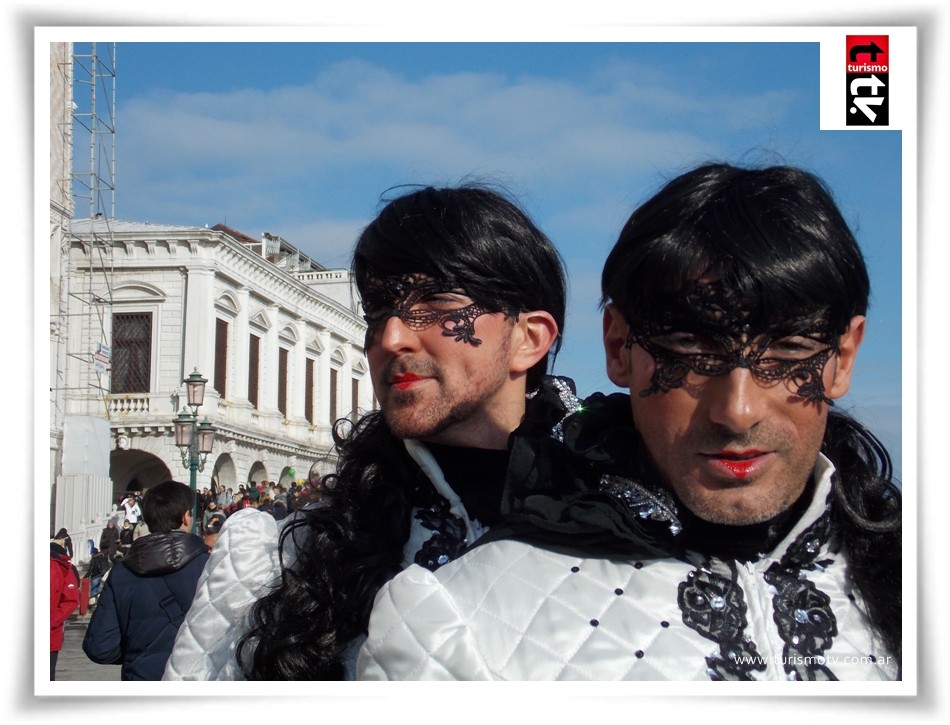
73 665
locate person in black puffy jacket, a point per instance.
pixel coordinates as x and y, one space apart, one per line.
149 591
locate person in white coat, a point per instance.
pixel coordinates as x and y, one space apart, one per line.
133 512
720 522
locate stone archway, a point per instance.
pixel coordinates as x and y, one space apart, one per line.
257 474
224 474
135 470
288 476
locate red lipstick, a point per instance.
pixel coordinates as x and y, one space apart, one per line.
404 380
739 464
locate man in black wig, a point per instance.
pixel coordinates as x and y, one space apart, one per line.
723 521
464 302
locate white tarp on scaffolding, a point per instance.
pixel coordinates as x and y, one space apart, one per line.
86 444
83 493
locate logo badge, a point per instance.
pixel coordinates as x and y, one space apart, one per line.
867 79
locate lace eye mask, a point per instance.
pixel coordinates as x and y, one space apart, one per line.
803 376
411 300
717 328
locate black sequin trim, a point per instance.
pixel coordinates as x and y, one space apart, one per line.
801 612
448 540
714 606
655 505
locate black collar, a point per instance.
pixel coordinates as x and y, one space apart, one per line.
477 475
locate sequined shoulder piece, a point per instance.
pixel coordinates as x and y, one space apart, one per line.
646 504
571 405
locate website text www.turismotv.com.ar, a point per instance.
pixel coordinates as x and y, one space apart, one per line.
806 660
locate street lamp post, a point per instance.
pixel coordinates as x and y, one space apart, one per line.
194 439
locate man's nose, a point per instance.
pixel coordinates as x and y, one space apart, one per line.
737 401
395 336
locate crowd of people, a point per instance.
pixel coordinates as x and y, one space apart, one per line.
718 519
268 496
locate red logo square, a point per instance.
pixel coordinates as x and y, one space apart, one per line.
865 52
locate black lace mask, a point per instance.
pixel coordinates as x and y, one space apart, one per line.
416 301
705 331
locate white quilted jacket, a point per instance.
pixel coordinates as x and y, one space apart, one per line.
508 610
244 565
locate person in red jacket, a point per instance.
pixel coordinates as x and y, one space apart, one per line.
63 598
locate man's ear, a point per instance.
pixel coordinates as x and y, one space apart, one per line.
615 346
847 354
535 333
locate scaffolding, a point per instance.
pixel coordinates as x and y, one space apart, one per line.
94 77
93 188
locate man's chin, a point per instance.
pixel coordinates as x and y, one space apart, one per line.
736 513
405 426
424 422
734 505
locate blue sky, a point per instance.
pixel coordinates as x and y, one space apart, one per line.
301 140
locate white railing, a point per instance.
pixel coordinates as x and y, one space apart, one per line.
129 404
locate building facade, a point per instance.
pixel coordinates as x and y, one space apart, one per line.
279 339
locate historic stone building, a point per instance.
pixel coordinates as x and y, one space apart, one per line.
279 338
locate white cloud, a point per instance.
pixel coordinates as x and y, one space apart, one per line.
256 149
